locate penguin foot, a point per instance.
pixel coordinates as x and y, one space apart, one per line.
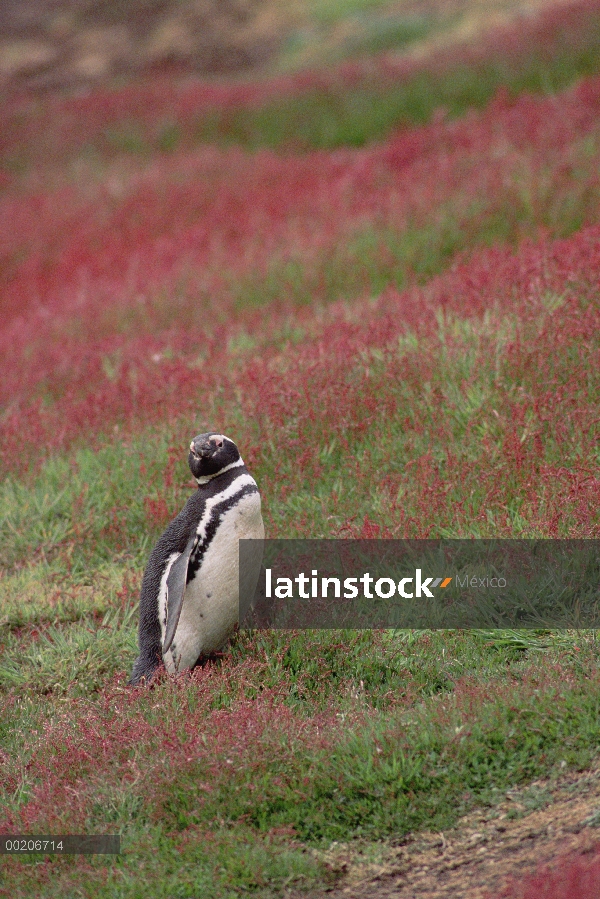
144 672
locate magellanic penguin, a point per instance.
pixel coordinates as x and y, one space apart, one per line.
190 590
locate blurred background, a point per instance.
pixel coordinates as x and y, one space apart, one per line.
62 43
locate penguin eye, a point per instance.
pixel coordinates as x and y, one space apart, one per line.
218 441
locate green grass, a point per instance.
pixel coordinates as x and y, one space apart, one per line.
333 113
83 519
366 28
75 659
236 780
415 728
326 118
451 721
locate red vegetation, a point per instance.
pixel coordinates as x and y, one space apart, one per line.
145 108
121 300
540 381
149 738
574 877
193 224
193 285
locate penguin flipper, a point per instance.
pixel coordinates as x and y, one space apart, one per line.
176 582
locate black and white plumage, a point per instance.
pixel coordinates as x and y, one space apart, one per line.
190 590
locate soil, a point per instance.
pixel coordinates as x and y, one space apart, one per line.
486 851
76 44
46 44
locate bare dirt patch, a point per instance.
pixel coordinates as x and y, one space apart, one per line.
537 826
50 44
56 43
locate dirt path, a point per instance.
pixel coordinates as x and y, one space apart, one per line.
480 856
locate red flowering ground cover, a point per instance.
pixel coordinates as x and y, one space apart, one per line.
108 285
569 878
404 340
542 49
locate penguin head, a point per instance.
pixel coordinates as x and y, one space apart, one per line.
210 454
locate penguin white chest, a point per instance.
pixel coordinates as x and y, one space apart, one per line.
211 599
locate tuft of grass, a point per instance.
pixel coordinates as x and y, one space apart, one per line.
85 509
73 659
41 593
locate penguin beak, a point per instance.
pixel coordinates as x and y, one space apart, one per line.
201 449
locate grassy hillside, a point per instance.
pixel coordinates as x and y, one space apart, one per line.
382 281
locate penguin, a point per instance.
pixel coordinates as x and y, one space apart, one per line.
189 600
